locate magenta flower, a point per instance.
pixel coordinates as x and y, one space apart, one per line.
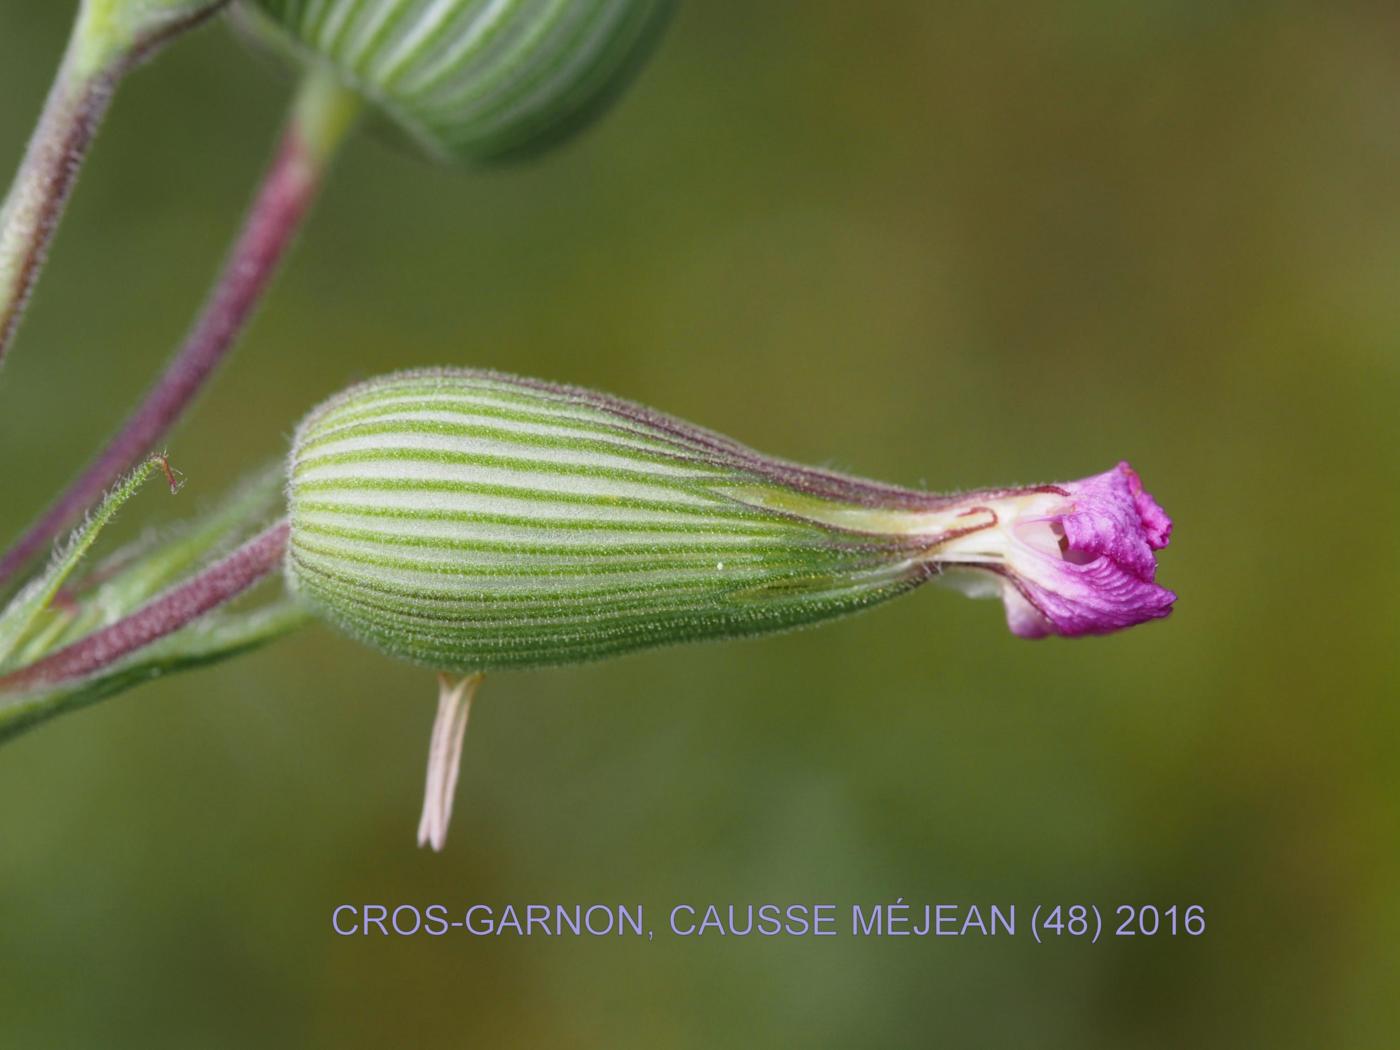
1069 559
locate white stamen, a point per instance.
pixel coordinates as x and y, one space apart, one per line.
445 757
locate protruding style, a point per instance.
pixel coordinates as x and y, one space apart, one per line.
445 757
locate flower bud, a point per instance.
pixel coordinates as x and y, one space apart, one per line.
472 80
470 520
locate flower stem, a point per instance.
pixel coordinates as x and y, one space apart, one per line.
95 60
322 115
178 607
76 104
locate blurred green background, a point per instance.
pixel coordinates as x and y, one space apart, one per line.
941 244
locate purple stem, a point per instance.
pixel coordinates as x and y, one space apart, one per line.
50 168
178 607
287 192
67 126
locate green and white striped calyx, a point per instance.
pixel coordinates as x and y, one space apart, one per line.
469 520
472 79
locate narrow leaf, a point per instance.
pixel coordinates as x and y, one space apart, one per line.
206 642
26 609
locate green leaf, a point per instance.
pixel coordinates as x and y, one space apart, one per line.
208 641
25 612
135 574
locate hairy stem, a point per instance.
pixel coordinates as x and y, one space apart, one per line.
94 62
322 115
75 107
178 607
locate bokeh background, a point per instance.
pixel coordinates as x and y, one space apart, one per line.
942 244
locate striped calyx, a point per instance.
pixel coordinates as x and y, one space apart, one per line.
472 79
470 520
